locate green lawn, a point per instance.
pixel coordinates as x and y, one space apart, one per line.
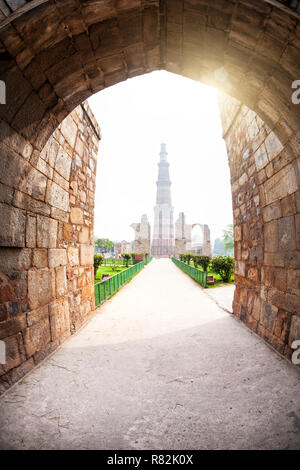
108 270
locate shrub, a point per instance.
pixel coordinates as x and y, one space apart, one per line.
224 266
98 260
196 261
188 258
204 262
182 257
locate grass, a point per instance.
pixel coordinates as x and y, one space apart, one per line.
219 282
108 270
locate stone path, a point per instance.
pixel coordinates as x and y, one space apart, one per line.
222 296
160 366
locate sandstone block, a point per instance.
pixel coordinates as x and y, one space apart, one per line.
67 232
57 257
31 232
274 259
57 196
40 258
288 205
273 145
293 281
240 268
63 163
73 256
281 184
37 336
271 236
12 326
68 129
59 319
15 353
14 259
34 184
86 255
268 316
84 235
76 215
61 281
46 232
272 211
286 233
287 302
12 167
12 227
261 157
41 287
88 291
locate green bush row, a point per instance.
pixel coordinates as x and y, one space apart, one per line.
222 265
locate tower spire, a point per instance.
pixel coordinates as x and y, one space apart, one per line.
163 153
163 195
163 235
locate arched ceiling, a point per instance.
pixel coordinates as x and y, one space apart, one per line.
59 53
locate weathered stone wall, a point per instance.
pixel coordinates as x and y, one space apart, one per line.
183 237
142 235
265 181
60 53
46 240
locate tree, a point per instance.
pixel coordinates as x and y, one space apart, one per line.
228 239
204 262
219 249
188 258
224 266
126 257
98 260
104 244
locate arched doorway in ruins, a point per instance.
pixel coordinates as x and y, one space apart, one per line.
53 57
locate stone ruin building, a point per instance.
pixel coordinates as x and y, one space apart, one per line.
122 247
183 238
163 243
142 236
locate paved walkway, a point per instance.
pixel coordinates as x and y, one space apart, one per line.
222 296
161 366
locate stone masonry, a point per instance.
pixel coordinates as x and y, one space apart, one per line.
183 237
53 56
266 207
142 236
46 239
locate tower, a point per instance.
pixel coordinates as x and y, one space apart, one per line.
163 231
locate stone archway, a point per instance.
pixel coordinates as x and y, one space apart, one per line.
57 54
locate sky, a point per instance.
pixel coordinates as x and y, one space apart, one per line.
135 117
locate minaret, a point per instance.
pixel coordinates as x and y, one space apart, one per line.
163 231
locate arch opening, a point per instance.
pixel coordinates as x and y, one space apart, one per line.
54 58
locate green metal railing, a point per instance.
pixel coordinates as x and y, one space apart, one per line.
116 261
196 274
105 289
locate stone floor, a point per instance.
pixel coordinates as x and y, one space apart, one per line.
160 366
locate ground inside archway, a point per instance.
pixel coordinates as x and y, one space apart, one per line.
161 366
